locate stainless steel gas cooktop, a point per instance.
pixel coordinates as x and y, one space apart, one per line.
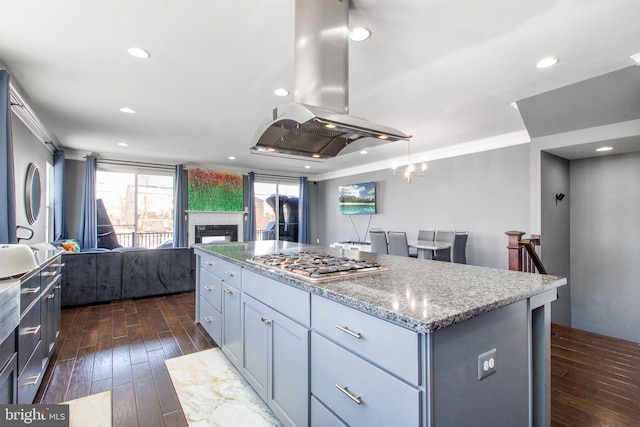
316 267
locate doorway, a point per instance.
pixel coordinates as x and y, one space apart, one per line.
276 207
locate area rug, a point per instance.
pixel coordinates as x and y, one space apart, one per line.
94 410
212 393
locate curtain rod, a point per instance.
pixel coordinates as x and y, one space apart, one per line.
266 175
132 163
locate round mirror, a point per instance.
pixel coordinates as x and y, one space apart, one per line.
32 193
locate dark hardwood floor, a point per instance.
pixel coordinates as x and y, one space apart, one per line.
121 346
595 379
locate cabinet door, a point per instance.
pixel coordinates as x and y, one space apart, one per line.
57 308
256 347
289 370
276 361
231 325
46 316
8 382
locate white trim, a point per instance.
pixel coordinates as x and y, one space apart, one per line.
486 144
23 111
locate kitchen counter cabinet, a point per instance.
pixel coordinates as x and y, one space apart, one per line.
276 361
424 327
8 370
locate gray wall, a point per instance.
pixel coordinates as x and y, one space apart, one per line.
605 201
485 194
28 149
556 230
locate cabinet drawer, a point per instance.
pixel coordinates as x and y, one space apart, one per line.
294 303
321 416
211 320
384 399
29 380
8 376
29 333
339 322
211 289
29 291
230 273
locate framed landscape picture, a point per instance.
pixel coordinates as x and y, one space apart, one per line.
357 199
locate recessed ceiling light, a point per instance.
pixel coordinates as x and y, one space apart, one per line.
363 151
330 126
128 110
315 155
382 136
123 144
546 62
606 148
359 34
231 157
281 92
307 167
636 57
271 149
138 52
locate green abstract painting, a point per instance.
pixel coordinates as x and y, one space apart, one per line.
215 191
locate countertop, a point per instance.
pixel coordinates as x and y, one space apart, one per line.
418 294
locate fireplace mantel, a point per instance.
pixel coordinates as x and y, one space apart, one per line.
215 218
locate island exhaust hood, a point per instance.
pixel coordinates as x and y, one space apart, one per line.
317 125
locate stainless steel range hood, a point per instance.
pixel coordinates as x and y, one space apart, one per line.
316 126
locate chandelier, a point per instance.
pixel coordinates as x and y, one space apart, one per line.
412 169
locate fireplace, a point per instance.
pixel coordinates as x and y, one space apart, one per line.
216 233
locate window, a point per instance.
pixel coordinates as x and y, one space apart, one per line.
138 204
276 203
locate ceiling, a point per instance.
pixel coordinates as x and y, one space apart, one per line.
444 71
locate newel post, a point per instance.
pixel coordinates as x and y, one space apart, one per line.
515 250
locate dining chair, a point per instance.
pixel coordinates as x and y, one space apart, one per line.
398 244
379 243
448 236
459 253
428 234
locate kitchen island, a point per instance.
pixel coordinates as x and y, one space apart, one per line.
417 342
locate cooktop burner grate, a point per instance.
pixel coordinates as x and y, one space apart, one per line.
316 267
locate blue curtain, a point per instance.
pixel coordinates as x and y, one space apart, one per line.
304 235
179 208
59 220
250 226
7 171
88 222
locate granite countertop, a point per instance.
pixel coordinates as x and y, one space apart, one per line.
422 295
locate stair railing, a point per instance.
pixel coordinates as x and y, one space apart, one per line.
522 253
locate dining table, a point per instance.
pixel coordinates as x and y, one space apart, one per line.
426 248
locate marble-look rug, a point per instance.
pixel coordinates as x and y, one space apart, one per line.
212 393
94 410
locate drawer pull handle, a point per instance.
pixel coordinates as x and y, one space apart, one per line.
34 380
266 321
347 331
51 296
208 288
351 396
57 287
228 273
31 290
228 291
209 263
31 331
57 265
208 319
48 273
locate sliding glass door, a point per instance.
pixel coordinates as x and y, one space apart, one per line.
276 207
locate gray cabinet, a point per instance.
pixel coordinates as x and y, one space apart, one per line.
231 324
276 361
365 370
8 370
39 326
